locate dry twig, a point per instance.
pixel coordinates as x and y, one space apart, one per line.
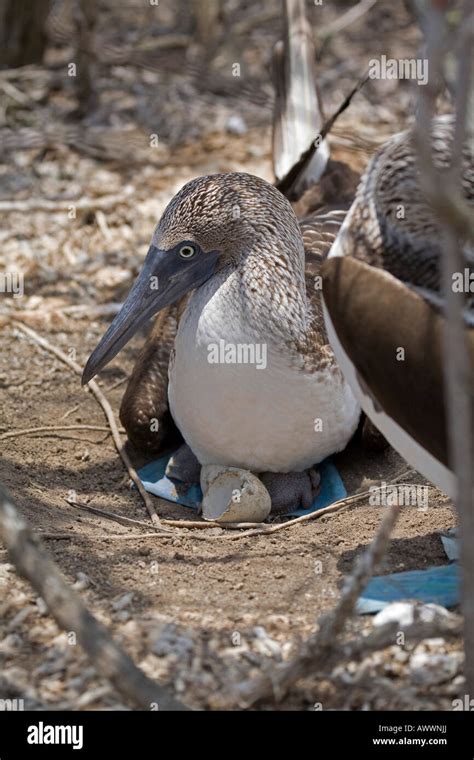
316 649
96 391
54 429
113 516
249 529
347 19
71 614
79 204
286 183
443 193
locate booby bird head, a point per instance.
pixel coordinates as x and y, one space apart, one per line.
213 221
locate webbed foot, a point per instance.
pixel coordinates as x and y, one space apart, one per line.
291 490
183 466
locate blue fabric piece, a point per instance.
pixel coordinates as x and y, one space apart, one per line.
438 585
155 481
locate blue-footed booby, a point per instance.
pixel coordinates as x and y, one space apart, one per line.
382 301
238 360
282 404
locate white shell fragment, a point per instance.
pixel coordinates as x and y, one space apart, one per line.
407 613
233 495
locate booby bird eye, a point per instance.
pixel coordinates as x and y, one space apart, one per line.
187 251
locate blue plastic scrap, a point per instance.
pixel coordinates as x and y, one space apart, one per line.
438 585
155 481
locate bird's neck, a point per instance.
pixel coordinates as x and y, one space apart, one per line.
262 297
273 290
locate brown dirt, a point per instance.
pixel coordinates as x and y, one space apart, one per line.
210 592
199 600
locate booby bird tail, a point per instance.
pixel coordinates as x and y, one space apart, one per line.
297 117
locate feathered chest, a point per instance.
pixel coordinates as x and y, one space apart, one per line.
242 397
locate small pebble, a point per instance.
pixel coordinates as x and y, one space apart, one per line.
82 582
123 601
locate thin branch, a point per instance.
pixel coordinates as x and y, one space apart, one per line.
76 312
346 19
114 516
91 310
286 183
15 94
70 411
122 520
444 194
316 649
71 614
248 528
80 204
386 635
103 536
247 24
54 429
336 506
96 391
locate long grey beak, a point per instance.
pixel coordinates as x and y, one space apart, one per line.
164 279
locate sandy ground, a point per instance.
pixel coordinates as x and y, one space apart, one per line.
198 610
184 606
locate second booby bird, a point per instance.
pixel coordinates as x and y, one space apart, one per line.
383 302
